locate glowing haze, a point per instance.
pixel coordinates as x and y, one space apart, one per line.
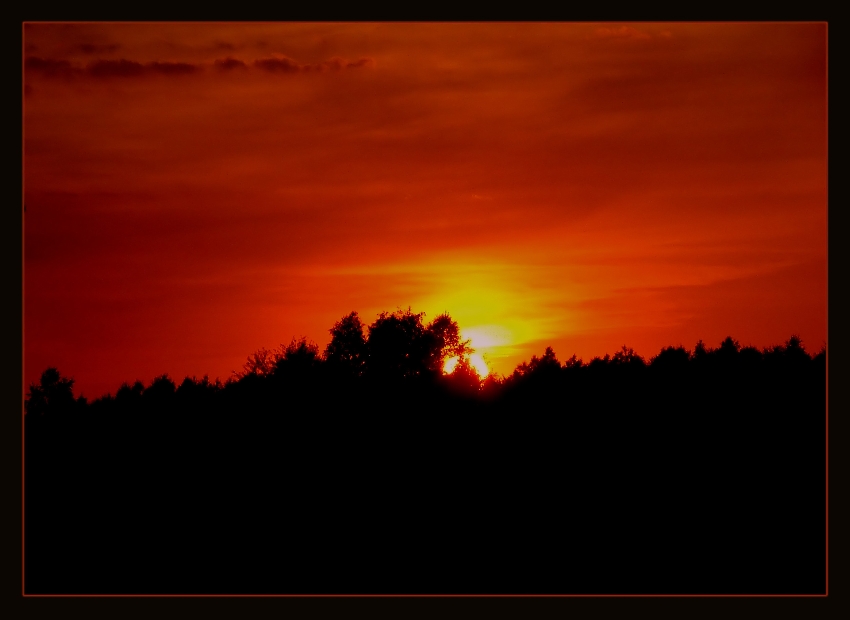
197 191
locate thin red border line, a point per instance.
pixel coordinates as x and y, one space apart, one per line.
425 595
434 23
23 300
826 179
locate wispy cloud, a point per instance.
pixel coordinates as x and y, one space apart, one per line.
283 64
229 63
172 68
101 68
49 66
124 68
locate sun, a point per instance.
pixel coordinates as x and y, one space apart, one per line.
476 361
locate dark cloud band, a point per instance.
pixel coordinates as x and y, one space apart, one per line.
106 68
282 64
123 68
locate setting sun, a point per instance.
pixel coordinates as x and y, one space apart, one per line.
478 363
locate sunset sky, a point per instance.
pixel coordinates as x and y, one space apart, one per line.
195 192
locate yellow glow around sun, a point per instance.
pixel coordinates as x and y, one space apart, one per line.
495 307
483 337
475 360
502 308
478 363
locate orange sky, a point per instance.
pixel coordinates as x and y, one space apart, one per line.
196 191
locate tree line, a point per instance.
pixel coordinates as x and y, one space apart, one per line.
399 349
364 468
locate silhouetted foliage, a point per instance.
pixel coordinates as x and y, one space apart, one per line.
53 395
130 394
261 362
347 348
300 356
574 362
464 379
627 357
447 344
628 476
795 352
671 358
538 366
597 362
160 391
701 352
399 346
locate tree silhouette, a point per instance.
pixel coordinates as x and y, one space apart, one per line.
627 357
795 352
399 346
597 362
261 362
309 460
160 392
573 362
53 394
300 357
728 351
547 363
546 367
749 358
347 349
464 378
446 342
192 390
670 358
702 354
129 397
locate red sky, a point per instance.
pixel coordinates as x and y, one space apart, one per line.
197 191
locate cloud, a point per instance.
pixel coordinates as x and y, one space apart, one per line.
115 68
337 64
363 62
49 66
284 64
106 68
124 68
229 63
172 68
277 64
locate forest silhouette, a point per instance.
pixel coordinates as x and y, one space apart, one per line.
364 468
